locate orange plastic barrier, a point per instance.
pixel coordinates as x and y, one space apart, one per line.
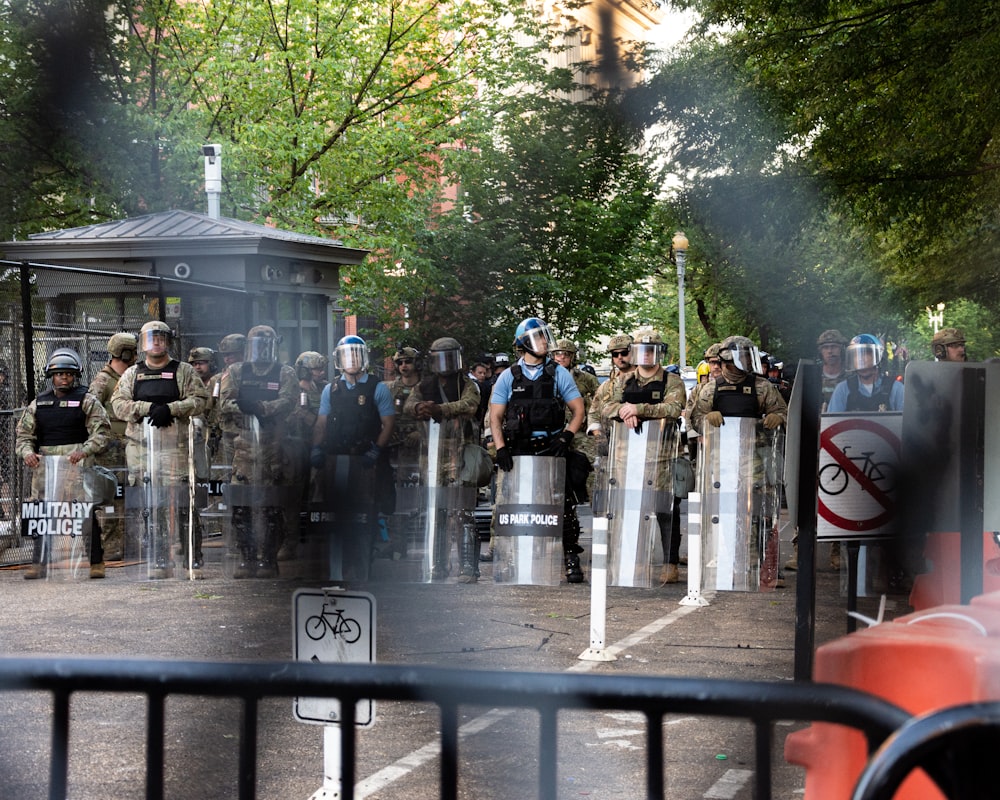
943 583
944 656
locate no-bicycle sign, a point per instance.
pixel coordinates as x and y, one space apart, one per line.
858 467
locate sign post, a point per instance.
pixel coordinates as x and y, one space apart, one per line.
332 625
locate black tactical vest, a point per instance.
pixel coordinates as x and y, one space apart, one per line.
156 385
533 405
354 422
60 420
879 401
652 392
737 399
258 388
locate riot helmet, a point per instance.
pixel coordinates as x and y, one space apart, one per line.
501 361
445 356
865 351
261 345
740 353
648 349
64 359
534 336
154 332
702 371
351 352
123 346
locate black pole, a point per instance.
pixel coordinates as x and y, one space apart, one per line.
970 471
27 325
805 582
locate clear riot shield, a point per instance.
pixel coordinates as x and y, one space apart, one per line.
640 486
158 506
256 499
446 505
741 469
58 518
528 522
406 524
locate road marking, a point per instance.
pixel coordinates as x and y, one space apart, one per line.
423 755
729 785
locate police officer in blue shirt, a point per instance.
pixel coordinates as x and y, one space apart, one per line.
528 417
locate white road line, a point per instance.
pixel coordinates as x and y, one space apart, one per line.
429 752
729 785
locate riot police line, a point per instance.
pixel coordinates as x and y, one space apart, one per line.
317 475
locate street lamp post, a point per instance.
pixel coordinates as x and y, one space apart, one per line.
679 246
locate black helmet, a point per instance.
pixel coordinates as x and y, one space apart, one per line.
64 359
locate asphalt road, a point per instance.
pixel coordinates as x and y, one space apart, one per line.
476 626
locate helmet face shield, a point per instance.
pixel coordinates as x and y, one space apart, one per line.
863 355
261 350
351 356
444 362
745 357
535 336
647 354
154 341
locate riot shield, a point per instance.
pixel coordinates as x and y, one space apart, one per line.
528 522
158 533
640 486
256 499
446 504
58 518
741 470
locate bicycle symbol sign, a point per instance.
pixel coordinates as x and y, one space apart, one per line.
859 456
333 626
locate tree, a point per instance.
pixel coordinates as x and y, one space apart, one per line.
877 119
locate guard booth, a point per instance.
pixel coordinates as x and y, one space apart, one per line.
205 276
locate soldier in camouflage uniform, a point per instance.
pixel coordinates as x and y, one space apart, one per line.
256 398
311 369
448 395
619 347
65 420
581 475
231 349
122 351
162 392
650 392
404 447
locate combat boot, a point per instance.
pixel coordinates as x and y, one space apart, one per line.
468 554
669 574
34 572
97 570
574 573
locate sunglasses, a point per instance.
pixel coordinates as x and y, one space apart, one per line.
619 353
400 361
714 362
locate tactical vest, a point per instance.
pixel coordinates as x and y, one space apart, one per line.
652 392
431 388
737 399
879 401
156 385
354 422
533 405
259 388
60 420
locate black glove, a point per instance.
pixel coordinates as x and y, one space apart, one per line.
560 444
370 458
160 416
251 407
504 459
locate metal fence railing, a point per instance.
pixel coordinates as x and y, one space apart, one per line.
763 704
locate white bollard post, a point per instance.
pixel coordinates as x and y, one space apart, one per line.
694 596
598 594
331 765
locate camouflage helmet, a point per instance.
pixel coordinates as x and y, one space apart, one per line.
647 349
150 331
943 338
832 336
308 361
620 341
565 344
123 346
201 354
261 345
407 352
234 343
712 351
445 356
740 353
